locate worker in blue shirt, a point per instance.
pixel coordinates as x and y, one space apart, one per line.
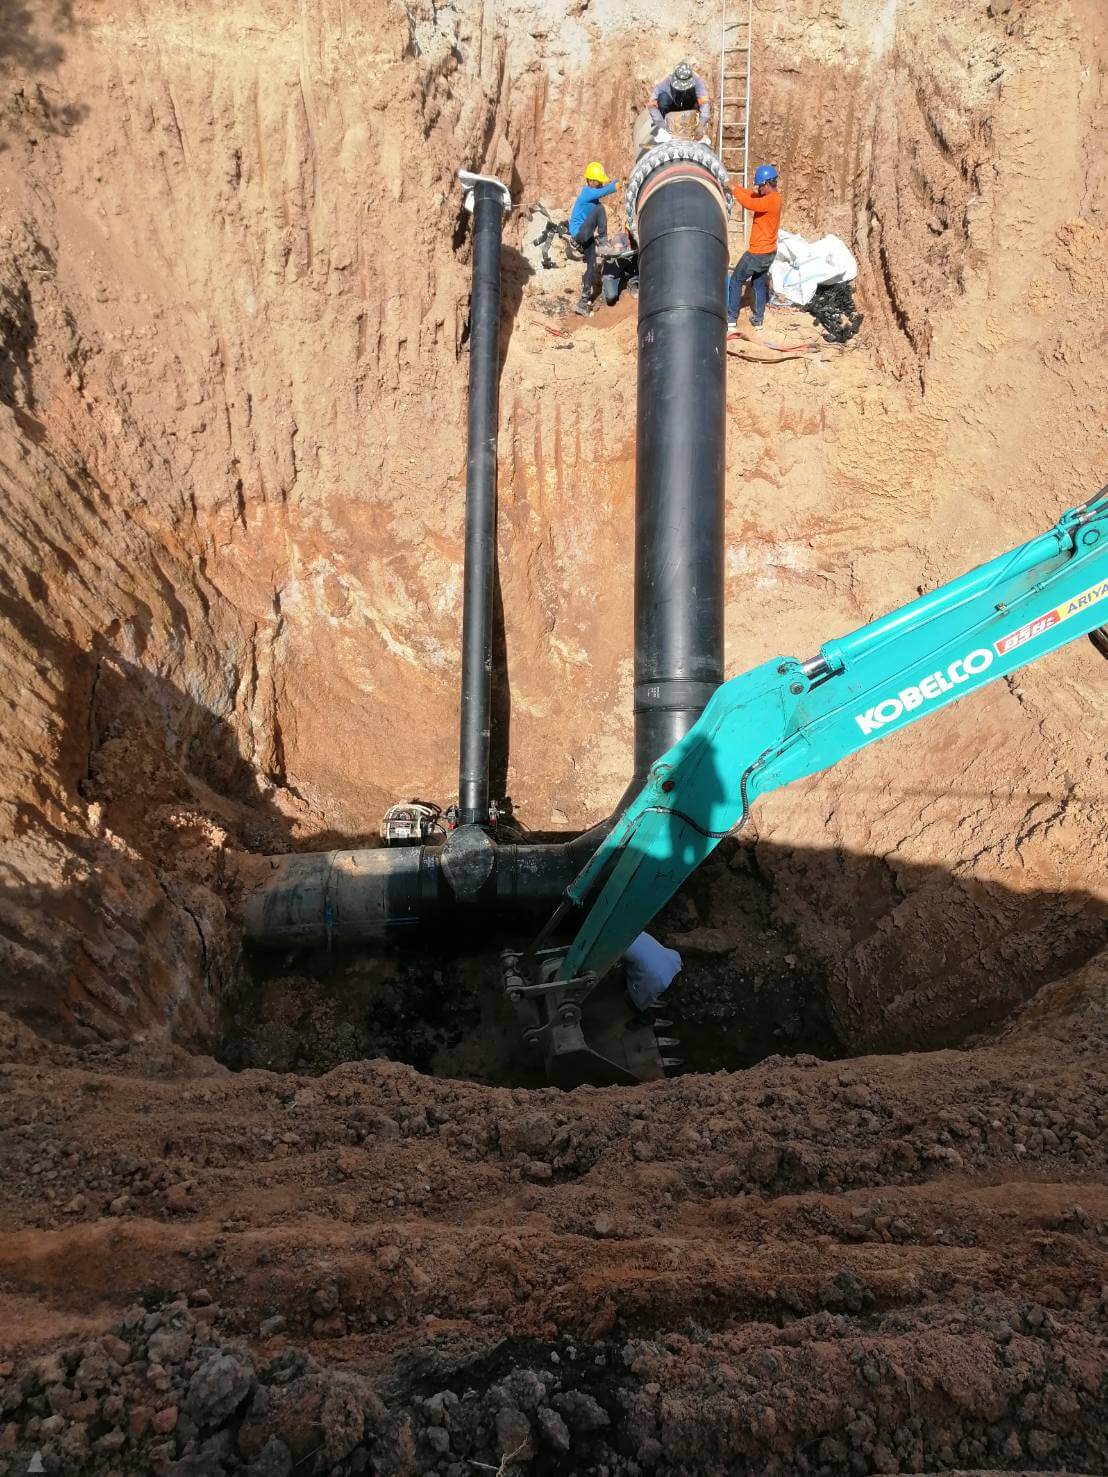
588 227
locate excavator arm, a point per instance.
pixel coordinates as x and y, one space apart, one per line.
777 723
786 719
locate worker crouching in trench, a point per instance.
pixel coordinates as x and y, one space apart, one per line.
588 227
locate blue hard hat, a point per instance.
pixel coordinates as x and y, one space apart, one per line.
764 174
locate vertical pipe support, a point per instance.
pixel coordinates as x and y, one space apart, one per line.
487 200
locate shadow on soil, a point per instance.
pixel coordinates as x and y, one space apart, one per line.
31 49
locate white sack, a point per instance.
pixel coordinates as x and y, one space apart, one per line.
801 266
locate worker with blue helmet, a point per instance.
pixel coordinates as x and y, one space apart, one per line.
764 203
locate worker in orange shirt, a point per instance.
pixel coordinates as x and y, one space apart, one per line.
764 202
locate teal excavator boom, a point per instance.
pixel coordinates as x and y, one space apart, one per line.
787 719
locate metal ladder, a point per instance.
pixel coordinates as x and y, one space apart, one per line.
734 92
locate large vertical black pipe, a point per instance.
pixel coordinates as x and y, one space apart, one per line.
679 475
484 381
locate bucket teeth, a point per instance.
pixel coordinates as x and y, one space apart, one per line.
673 1061
667 1041
660 1025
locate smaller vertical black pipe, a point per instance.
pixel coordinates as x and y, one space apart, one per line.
484 382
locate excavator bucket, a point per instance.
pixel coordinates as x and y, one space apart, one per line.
585 1030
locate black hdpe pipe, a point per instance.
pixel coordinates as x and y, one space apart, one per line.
480 543
355 896
679 468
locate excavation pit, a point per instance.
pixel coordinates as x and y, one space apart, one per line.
787 952
242 614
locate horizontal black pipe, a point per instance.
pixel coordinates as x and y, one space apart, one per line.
480 537
679 468
358 896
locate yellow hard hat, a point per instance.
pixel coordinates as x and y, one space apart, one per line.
594 173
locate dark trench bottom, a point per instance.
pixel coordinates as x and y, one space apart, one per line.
438 1005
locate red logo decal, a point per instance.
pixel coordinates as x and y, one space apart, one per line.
1026 633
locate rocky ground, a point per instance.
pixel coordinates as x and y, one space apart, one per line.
883 1265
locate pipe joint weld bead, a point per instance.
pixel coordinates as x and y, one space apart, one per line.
658 157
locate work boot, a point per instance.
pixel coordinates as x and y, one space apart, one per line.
583 307
647 1015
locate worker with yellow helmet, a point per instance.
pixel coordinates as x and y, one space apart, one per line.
588 227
